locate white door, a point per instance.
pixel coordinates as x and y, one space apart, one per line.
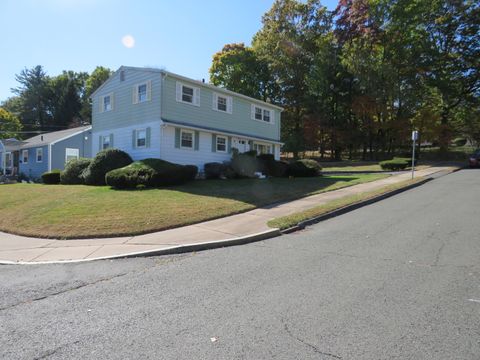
240 144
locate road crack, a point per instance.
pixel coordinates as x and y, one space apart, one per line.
48 353
311 346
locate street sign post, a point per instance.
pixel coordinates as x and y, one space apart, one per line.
414 139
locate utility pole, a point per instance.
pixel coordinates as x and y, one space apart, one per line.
414 139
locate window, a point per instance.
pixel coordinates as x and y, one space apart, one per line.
25 156
107 103
258 113
222 103
186 139
221 144
39 155
262 148
142 92
141 138
261 114
188 94
105 142
71 154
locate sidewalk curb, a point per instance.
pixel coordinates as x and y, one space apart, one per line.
354 206
177 249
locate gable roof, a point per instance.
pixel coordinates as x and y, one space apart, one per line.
184 78
53 137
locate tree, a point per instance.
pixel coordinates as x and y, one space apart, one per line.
287 42
237 68
10 125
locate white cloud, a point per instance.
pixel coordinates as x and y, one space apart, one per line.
128 41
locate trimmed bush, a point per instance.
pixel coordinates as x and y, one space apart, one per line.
150 173
279 169
105 161
73 171
304 168
394 164
214 170
52 177
245 164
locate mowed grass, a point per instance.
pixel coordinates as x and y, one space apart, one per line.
78 211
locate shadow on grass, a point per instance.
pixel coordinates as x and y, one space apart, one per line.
264 192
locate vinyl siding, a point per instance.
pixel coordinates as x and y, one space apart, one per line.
75 142
125 112
33 169
238 121
123 140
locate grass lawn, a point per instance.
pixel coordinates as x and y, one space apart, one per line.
289 221
78 211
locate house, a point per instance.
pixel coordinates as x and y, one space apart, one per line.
152 113
34 156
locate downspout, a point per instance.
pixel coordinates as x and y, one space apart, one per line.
49 157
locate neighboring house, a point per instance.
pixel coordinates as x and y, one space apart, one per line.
9 156
154 113
52 150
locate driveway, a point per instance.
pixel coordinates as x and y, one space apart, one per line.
398 279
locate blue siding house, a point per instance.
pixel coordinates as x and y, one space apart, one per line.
52 150
152 113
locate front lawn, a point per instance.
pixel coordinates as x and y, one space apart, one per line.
78 211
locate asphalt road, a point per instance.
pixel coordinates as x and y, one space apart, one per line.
399 279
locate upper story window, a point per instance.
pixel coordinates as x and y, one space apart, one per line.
142 92
261 114
141 139
106 102
25 156
186 139
39 155
188 94
222 103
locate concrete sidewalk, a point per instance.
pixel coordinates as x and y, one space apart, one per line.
235 229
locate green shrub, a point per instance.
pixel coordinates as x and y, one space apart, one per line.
270 167
214 170
150 173
105 161
304 168
279 169
73 171
52 177
407 160
394 164
245 164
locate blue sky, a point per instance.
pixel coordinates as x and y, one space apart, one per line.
180 36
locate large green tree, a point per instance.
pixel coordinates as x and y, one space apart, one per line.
238 68
10 125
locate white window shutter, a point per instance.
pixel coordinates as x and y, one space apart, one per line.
135 95
179 91
149 90
252 112
112 101
214 101
229 104
196 97
100 104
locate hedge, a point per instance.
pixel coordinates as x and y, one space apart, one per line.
394 164
304 168
214 170
73 171
105 161
51 177
150 173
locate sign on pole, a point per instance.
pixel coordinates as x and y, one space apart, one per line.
414 139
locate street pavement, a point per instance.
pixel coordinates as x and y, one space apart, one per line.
398 279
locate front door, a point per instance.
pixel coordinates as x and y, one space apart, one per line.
240 144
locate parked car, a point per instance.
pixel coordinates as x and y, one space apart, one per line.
474 159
